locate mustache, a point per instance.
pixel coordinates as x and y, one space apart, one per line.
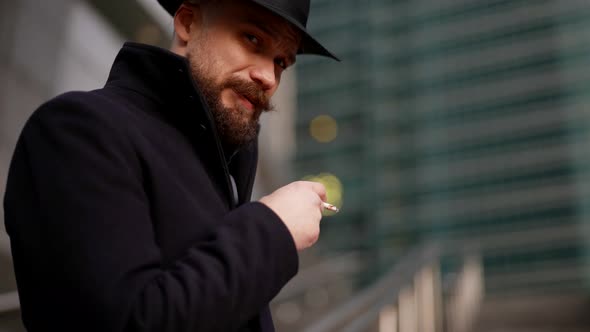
252 92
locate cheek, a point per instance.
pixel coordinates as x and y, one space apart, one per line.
236 56
227 98
223 56
226 63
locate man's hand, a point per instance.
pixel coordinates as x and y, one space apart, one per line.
299 205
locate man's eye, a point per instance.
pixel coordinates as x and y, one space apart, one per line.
253 39
281 63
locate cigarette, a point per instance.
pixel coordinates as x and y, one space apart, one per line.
330 207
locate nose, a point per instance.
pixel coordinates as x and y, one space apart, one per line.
264 74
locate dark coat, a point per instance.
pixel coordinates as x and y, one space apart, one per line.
121 216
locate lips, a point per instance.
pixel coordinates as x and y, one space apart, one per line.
246 102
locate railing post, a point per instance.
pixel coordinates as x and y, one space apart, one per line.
388 319
429 299
468 294
407 310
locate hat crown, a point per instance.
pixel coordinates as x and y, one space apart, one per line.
297 9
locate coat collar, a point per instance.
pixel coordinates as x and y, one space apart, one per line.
164 78
156 73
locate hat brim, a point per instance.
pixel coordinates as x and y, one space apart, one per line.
311 46
308 44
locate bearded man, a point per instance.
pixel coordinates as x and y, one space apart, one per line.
128 206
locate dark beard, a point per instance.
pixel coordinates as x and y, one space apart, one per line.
233 128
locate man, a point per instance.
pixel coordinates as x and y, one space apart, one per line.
127 206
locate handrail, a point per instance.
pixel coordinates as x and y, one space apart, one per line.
366 306
393 279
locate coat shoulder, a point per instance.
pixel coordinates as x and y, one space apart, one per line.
80 105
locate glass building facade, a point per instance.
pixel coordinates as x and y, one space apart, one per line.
456 120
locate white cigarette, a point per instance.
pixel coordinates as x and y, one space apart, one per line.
330 207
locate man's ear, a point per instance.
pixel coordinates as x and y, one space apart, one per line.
187 17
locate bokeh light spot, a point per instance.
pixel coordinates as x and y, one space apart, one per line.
323 128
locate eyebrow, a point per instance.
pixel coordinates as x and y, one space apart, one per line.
260 25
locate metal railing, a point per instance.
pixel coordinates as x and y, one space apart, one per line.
413 297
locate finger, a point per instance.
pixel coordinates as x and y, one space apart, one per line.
319 189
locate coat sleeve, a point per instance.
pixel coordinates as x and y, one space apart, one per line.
76 180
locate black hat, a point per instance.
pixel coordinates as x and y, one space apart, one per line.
294 11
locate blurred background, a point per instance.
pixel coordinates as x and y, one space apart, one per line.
454 136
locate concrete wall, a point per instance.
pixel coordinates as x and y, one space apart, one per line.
46 48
